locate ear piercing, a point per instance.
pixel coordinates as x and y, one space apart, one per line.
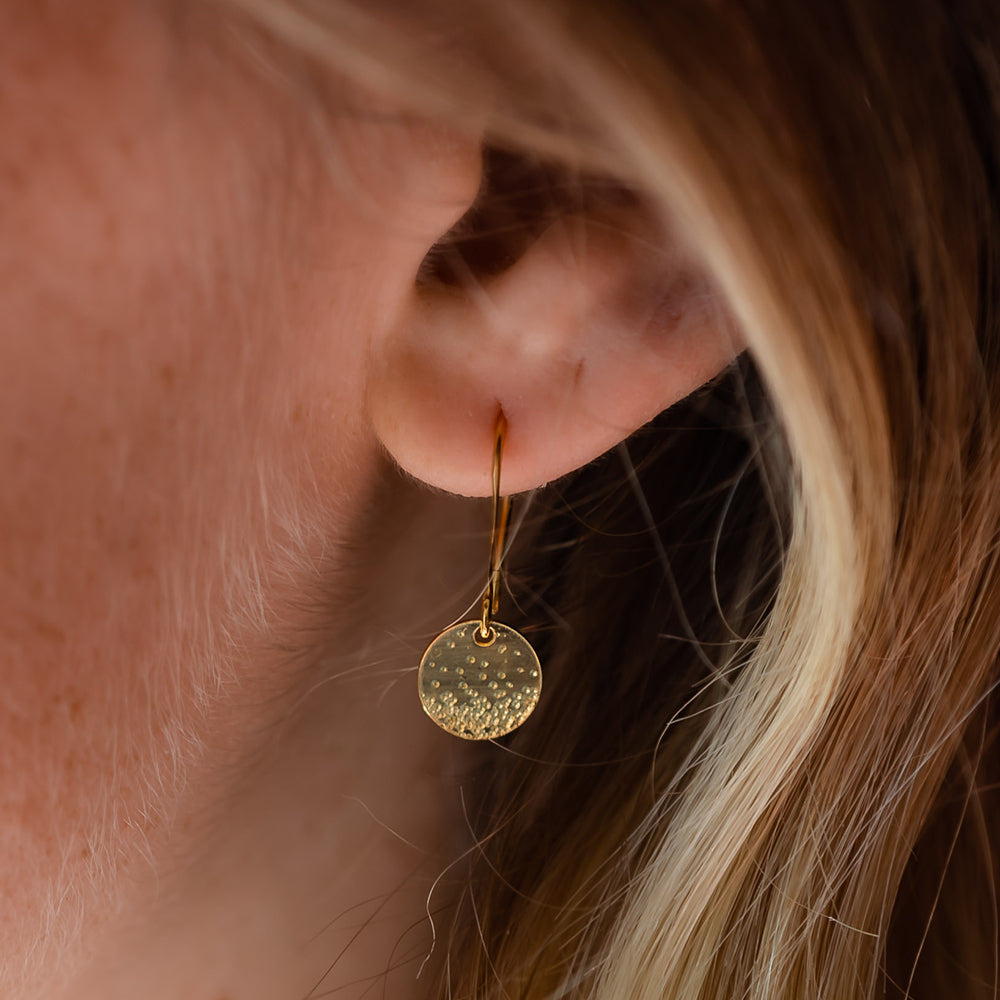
481 679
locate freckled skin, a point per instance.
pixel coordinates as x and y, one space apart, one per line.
186 305
214 587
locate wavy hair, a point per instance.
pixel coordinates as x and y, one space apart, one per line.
765 765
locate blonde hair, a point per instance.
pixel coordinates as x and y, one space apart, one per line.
787 800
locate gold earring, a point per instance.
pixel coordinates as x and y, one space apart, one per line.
481 679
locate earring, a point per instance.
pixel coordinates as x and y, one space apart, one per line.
481 679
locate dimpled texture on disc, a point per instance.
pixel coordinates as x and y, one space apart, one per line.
478 692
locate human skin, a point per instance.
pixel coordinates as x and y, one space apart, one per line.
187 305
215 779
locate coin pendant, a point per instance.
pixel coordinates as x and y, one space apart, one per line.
479 691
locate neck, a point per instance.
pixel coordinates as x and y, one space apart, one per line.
321 853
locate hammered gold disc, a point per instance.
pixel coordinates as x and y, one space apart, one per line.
479 691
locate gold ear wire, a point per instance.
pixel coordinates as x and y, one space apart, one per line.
481 679
498 536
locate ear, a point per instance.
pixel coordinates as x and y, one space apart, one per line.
597 328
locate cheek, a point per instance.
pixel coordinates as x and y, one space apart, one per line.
182 366
134 382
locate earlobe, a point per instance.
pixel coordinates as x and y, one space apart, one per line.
586 338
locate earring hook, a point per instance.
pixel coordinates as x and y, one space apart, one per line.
498 536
